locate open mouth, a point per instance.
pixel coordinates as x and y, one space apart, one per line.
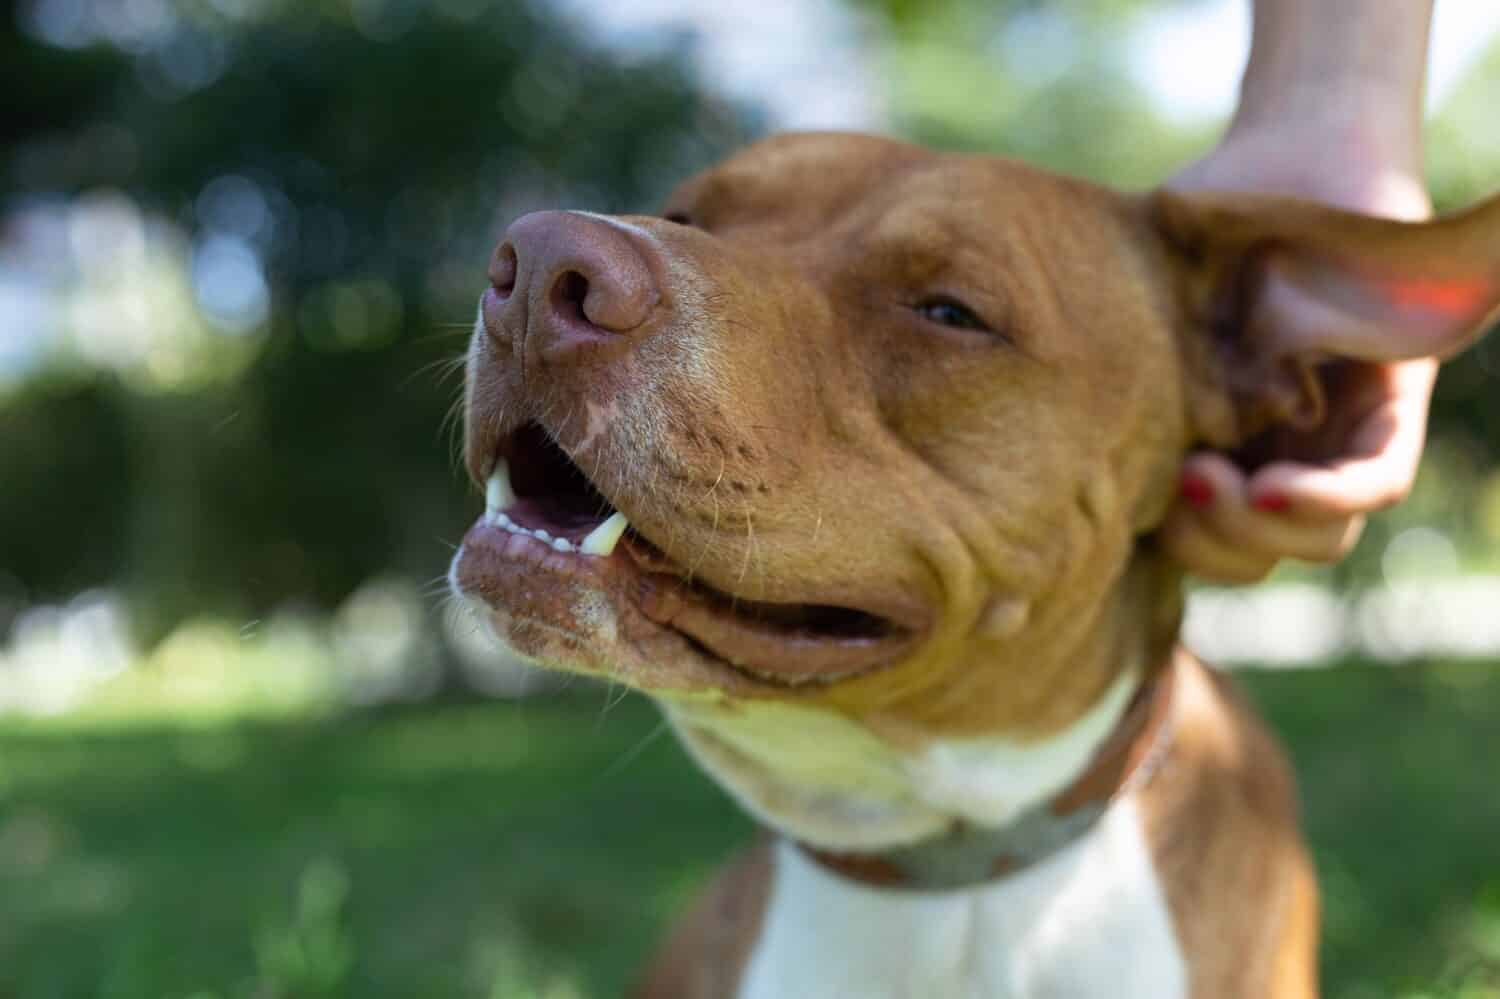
536 490
537 498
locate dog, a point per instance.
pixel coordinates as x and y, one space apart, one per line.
853 460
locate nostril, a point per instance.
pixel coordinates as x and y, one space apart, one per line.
572 280
568 293
502 271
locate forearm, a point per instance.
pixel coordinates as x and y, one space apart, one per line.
1356 63
1330 109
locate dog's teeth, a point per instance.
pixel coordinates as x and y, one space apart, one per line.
602 539
498 495
497 492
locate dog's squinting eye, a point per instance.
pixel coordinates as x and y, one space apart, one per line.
678 218
950 312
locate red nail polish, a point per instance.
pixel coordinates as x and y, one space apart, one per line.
1272 503
1197 491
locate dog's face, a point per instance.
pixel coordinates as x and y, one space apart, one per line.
882 422
848 458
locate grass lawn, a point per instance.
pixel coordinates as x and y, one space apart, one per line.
536 850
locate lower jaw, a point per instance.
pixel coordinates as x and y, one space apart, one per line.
602 615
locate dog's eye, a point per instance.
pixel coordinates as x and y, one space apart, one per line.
950 312
678 218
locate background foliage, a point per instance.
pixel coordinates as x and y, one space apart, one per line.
366 157
362 158
239 241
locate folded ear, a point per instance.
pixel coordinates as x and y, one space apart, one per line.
1269 288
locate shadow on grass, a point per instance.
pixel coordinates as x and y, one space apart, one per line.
538 849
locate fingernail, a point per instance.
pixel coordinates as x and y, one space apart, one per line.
1272 503
1197 490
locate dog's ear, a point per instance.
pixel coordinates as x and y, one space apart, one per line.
1268 289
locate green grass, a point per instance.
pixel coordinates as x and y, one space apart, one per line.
1400 777
536 850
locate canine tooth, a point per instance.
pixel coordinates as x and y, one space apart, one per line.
504 521
497 492
562 544
602 539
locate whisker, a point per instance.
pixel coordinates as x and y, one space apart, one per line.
445 366
611 701
634 752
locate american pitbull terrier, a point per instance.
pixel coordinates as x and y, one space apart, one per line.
852 461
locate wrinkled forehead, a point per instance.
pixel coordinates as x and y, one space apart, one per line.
826 173
858 186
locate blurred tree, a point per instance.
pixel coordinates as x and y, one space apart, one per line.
1044 80
359 159
1463 165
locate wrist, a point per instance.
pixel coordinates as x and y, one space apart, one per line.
1347 160
1336 62
1389 94
1354 120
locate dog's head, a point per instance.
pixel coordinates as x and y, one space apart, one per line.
888 427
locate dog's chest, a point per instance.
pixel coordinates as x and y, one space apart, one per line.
1090 921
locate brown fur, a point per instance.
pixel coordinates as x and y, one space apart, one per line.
707 953
785 427
1221 819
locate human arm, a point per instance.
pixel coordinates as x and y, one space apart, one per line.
1330 109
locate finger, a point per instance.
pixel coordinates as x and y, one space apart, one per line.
1378 472
1186 538
1279 536
1210 483
1382 453
1235 522
1346 489
1210 479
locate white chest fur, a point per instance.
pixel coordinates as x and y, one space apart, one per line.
1090 921
828 781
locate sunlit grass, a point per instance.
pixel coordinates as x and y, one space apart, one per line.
503 850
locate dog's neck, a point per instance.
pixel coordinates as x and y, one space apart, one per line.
969 854
833 784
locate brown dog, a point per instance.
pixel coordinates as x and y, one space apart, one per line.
852 461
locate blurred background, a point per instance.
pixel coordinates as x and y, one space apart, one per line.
245 747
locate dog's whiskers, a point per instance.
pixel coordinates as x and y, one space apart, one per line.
611 701
749 549
633 753
445 367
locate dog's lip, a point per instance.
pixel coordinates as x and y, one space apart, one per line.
768 651
748 635
501 568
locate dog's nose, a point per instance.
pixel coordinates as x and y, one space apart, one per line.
575 281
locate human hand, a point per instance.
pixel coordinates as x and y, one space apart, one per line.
1307 494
